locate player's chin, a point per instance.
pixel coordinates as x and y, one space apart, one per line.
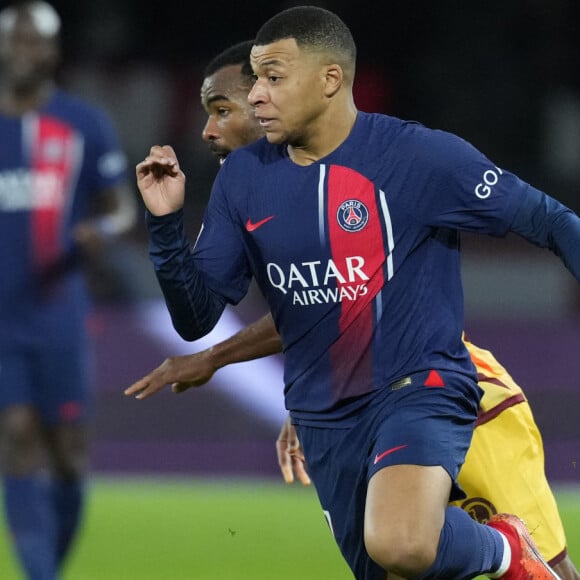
219 152
221 156
275 137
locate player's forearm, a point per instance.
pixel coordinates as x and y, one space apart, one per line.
258 340
193 306
549 224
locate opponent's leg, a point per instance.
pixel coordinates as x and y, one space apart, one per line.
566 569
512 479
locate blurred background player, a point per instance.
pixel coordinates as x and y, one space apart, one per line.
63 191
504 468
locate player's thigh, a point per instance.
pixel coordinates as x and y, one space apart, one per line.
416 426
416 456
504 472
337 465
17 378
65 392
21 433
412 499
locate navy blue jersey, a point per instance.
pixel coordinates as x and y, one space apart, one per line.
54 162
357 254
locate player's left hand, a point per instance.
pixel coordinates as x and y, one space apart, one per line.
181 372
290 456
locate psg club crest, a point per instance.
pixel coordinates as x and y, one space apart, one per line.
352 215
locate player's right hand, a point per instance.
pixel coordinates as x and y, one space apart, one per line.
181 372
290 456
161 181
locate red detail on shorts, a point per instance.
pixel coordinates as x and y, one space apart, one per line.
380 456
95 324
70 411
434 380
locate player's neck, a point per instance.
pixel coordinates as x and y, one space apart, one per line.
329 134
16 102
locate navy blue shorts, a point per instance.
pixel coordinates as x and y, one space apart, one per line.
56 380
406 423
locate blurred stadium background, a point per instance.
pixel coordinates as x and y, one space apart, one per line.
503 75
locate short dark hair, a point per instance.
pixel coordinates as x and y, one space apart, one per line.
236 54
311 27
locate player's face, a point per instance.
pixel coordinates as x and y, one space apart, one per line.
230 118
288 95
27 57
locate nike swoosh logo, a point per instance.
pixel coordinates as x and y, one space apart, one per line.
380 456
254 226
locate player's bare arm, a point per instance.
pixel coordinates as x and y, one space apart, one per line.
114 214
183 372
290 456
161 181
257 340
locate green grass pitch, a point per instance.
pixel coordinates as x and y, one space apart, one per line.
159 529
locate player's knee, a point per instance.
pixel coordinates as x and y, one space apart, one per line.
70 451
21 442
405 556
71 466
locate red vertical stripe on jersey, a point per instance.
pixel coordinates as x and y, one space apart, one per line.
52 164
351 356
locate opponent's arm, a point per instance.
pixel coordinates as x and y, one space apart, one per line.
182 372
257 340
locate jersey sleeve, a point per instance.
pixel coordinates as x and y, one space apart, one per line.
106 161
198 282
470 193
219 250
547 223
459 187
193 307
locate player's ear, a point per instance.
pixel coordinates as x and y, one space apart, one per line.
334 78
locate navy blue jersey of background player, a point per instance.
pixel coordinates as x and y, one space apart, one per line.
358 255
53 162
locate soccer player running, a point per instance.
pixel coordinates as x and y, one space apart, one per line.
504 414
350 224
63 189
